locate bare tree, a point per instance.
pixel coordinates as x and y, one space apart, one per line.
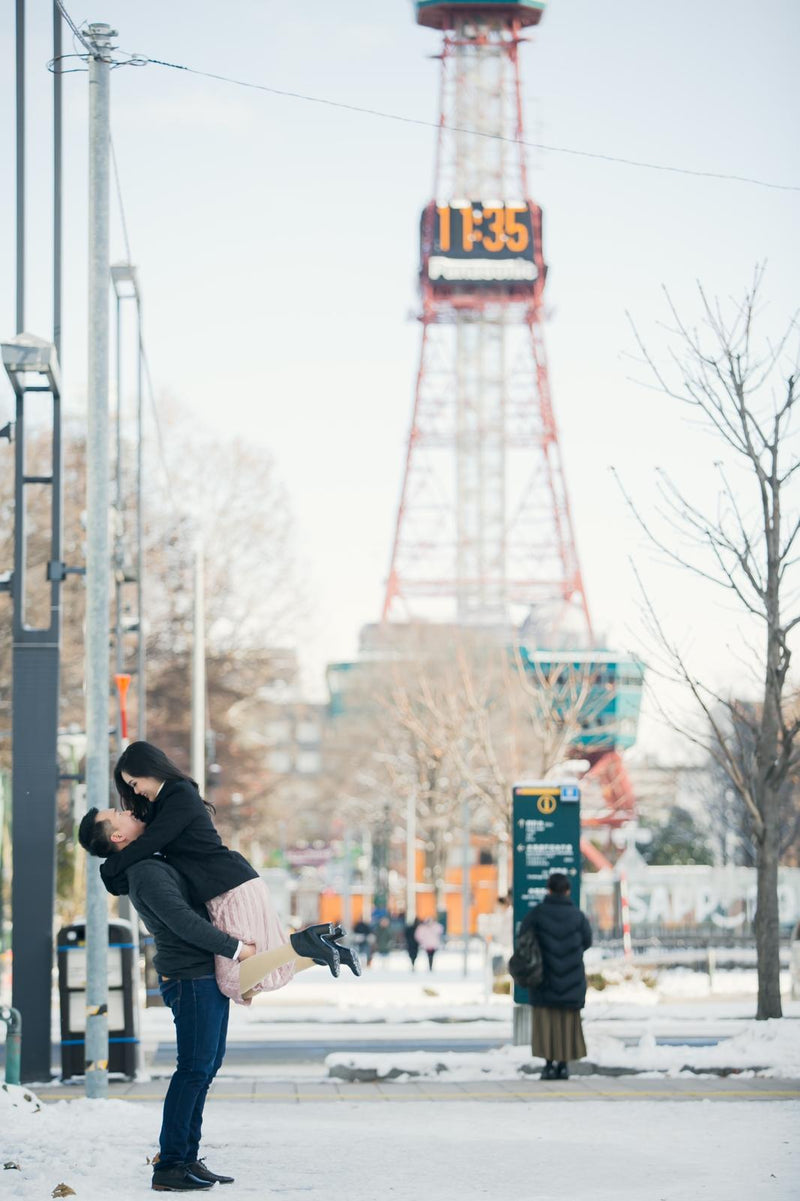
730 820
743 390
253 603
445 714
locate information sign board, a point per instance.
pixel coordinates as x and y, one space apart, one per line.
547 834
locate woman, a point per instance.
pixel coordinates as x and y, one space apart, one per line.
179 826
429 936
563 933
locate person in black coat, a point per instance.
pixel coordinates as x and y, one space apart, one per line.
563 933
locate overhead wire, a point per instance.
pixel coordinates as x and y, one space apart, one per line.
75 30
478 133
119 201
142 351
140 60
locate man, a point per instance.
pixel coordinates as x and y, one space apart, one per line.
186 944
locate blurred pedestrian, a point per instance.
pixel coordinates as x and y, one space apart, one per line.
384 937
563 933
429 936
364 940
412 946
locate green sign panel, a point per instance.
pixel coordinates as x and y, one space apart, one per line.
547 835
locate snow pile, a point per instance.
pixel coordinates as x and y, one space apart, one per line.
772 1047
14 1096
64 1142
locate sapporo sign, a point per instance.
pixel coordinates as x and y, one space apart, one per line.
547 834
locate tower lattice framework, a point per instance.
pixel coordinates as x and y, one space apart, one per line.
484 532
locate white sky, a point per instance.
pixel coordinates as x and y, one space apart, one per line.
277 247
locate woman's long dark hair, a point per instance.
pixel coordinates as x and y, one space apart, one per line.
143 759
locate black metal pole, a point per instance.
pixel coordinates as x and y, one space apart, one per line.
57 156
35 668
20 166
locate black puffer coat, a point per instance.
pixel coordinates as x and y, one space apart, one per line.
564 934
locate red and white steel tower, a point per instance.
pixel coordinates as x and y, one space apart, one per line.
484 532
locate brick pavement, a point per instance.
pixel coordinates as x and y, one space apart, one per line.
581 1088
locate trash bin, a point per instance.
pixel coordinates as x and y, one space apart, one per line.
152 992
122 971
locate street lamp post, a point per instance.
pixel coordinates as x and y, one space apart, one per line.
32 367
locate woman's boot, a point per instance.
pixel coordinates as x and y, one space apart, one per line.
316 942
348 955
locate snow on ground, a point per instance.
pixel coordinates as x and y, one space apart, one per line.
362 1151
344 1149
390 992
774 1046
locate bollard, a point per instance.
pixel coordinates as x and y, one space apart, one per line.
13 1021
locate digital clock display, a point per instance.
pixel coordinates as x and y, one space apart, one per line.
477 243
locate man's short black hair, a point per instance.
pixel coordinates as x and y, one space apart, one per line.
558 883
95 836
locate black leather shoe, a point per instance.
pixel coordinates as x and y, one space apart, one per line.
315 942
348 955
562 1071
178 1179
199 1169
548 1071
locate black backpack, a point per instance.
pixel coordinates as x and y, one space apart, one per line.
526 966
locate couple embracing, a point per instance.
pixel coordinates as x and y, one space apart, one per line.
216 934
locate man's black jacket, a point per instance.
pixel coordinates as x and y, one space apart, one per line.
186 942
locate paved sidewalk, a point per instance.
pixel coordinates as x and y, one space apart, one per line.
583 1088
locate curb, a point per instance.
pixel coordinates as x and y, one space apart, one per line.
364 1075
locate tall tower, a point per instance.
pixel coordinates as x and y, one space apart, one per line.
484 533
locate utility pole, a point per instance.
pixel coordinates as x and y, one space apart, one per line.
126 287
465 879
199 673
411 857
141 662
347 880
97 552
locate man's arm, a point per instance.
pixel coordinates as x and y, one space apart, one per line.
153 885
176 814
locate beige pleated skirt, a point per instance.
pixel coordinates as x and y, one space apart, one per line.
247 913
558 1034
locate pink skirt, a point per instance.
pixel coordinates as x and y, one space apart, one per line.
246 913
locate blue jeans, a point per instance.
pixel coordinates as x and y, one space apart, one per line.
200 1013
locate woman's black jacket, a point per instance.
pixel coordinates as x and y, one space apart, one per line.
564 934
182 831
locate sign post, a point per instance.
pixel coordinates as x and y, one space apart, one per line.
546 828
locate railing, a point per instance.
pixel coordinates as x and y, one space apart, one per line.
13 1021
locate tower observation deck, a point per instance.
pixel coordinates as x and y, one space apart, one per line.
484 531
